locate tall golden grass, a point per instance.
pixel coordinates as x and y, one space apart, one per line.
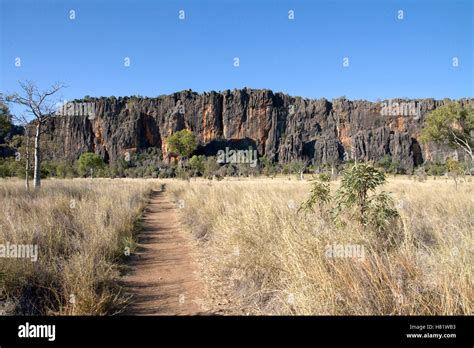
257 253
81 227
260 256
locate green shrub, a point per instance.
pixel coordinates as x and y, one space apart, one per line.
10 167
357 198
211 167
89 163
436 169
385 162
325 177
388 164
320 195
197 165
267 167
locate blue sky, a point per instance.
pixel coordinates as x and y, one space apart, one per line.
388 57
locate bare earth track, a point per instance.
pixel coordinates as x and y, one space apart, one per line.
164 277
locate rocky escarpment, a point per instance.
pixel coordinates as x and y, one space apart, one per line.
279 126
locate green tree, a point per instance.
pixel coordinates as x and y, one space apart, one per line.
451 124
197 164
183 143
89 163
5 120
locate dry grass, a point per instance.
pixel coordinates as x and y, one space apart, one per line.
81 228
260 256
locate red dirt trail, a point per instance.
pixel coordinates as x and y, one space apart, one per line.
164 277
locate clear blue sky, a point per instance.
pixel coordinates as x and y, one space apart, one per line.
388 57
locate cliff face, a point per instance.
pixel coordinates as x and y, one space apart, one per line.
282 127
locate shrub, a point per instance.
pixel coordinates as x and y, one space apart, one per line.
182 173
357 190
325 177
385 162
320 194
294 167
65 169
268 168
356 183
9 167
231 170
436 169
356 196
197 165
89 163
388 164
211 166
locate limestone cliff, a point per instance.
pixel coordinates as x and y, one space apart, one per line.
282 127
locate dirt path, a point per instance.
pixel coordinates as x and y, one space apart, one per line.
164 277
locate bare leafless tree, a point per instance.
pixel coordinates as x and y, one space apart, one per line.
40 106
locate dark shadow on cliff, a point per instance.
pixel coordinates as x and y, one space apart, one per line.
214 146
416 153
